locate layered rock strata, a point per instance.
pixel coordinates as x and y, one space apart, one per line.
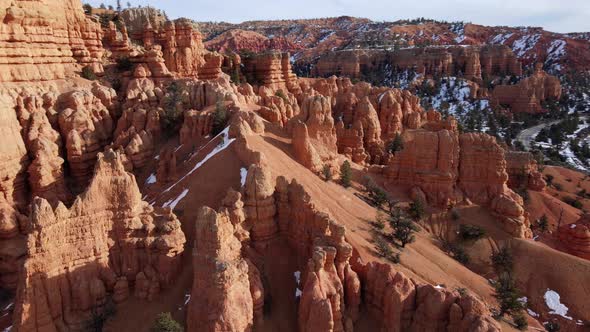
80 257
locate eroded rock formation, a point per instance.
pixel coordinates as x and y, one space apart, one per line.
528 94
78 257
523 171
470 61
47 40
576 237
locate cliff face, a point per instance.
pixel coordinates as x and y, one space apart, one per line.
471 61
107 240
527 95
46 40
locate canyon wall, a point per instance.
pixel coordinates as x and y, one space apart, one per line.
47 40
527 95
471 61
79 258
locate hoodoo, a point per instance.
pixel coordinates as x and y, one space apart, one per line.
334 175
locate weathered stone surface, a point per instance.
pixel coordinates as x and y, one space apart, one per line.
272 69
221 299
523 171
47 40
87 126
576 237
528 94
401 304
471 61
76 255
429 160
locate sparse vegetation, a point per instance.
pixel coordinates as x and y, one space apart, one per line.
397 144
417 209
542 224
471 232
172 116
520 321
376 194
552 326
502 260
345 174
165 323
220 118
384 250
457 252
404 232
574 202
327 173
124 64
88 73
507 295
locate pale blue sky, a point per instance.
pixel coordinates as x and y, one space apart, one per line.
553 15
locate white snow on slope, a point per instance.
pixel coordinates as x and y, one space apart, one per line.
226 141
501 38
151 179
297 275
553 301
243 174
525 44
173 202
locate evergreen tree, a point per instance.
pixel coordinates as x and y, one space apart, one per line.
220 118
507 295
404 232
345 174
397 144
165 323
327 172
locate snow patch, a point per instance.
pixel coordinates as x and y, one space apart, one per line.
172 203
532 313
151 179
524 44
553 301
501 38
243 175
226 141
297 275
572 226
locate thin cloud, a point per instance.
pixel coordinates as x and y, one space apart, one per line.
558 16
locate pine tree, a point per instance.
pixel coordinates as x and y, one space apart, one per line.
397 144
327 172
404 232
345 174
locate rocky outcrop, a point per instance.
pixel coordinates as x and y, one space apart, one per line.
47 40
483 178
429 160
448 168
46 176
401 304
314 133
575 238
527 95
469 61
87 126
259 205
523 171
272 69
221 298
77 257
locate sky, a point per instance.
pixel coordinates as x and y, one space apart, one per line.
553 15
